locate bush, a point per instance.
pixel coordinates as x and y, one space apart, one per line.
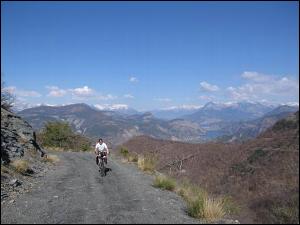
165 183
124 152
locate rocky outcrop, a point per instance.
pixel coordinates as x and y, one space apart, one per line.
17 136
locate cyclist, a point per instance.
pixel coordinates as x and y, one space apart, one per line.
101 150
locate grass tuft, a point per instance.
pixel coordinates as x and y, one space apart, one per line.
21 166
165 183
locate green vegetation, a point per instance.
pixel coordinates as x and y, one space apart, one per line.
286 124
165 183
124 152
130 157
259 153
59 135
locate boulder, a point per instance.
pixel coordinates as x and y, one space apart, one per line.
17 136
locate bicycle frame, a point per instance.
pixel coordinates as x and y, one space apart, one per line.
101 166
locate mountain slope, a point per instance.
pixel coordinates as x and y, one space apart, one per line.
216 112
240 131
261 174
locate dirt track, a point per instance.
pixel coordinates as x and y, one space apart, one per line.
74 192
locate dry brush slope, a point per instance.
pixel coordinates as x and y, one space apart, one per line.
261 174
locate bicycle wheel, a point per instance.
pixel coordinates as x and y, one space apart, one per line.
102 168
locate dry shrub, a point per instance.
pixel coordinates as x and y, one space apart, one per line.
51 158
199 204
4 170
147 162
21 166
132 157
213 209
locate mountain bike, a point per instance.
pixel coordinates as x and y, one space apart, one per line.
101 164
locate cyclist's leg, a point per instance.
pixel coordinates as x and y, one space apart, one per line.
97 160
105 159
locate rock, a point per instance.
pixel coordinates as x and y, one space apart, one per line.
12 201
15 182
17 136
3 194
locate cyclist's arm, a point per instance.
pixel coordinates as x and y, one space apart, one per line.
96 150
107 150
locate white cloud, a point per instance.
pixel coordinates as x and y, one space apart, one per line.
133 79
204 86
163 99
267 87
21 93
128 96
111 106
82 92
255 76
56 92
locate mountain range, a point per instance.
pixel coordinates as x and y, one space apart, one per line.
112 126
230 121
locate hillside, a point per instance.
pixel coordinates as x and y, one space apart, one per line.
262 174
113 126
19 150
241 131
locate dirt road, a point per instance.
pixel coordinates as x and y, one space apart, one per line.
74 192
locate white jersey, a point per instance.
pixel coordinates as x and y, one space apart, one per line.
101 147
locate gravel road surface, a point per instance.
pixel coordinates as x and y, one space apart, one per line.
74 192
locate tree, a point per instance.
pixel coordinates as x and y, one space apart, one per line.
57 134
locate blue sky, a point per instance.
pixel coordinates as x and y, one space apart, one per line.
150 55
